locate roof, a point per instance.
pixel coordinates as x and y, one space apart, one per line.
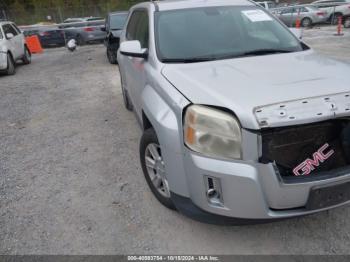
184 4
118 12
5 22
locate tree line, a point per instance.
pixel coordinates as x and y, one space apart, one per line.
35 11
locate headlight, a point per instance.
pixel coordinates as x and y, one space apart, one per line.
212 132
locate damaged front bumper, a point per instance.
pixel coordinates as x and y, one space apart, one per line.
251 192
297 164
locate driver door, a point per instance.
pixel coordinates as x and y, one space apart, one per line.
134 68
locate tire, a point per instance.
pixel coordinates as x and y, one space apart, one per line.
347 22
150 150
80 40
27 58
126 99
334 18
11 66
111 55
306 22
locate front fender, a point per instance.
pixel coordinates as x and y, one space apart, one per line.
167 122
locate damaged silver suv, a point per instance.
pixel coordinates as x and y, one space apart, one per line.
242 122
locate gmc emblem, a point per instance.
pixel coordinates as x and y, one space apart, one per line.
306 167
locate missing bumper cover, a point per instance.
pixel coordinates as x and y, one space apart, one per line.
292 147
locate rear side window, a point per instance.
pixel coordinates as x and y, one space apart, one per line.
9 29
287 11
138 27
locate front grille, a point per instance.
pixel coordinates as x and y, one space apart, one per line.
289 147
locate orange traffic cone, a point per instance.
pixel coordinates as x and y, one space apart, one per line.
339 27
34 44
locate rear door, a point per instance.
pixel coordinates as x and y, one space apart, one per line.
287 15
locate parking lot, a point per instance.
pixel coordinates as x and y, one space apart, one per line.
71 182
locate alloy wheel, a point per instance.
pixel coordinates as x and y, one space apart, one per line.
156 169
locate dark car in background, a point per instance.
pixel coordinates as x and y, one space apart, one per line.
85 32
114 24
49 36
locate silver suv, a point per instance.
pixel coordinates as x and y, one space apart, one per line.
242 122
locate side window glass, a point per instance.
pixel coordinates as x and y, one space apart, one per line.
137 28
142 32
9 29
286 11
132 25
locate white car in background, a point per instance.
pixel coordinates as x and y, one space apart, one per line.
13 48
334 9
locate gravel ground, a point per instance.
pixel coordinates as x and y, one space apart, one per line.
70 180
323 40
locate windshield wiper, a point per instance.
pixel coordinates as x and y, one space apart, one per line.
264 52
188 60
218 57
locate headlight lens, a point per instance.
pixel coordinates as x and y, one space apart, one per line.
212 132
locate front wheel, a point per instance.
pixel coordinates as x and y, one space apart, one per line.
11 68
27 57
111 55
153 167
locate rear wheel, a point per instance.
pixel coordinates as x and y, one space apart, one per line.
11 69
27 57
347 22
111 55
80 40
306 22
153 167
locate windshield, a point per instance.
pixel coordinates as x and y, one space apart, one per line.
118 21
220 32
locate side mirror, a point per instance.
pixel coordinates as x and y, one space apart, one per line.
133 49
9 36
103 28
297 32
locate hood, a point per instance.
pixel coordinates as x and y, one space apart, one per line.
245 84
